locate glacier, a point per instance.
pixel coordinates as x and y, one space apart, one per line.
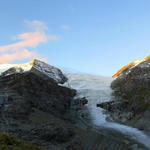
97 89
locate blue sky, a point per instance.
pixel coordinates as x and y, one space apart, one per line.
92 36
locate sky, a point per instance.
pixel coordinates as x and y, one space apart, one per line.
90 36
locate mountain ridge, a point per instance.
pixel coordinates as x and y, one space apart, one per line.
36 108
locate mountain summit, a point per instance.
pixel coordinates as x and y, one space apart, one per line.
36 66
131 90
129 66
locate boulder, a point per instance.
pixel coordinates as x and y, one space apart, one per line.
80 101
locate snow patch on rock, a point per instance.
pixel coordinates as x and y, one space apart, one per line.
43 68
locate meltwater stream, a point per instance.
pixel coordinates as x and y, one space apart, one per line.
96 90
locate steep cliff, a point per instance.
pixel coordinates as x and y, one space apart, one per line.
131 90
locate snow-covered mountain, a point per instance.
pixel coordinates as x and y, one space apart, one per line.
28 100
35 66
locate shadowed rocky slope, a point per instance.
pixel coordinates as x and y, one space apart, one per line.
132 96
9 142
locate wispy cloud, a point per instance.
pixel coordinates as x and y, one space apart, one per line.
36 25
25 41
24 54
65 27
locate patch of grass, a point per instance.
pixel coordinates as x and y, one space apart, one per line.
9 142
140 92
143 108
128 95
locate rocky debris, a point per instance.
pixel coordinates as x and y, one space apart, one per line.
81 101
55 133
118 110
113 105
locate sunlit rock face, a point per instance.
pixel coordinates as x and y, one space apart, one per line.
36 66
129 66
133 85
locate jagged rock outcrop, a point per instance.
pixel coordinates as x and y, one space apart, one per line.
132 87
81 101
38 67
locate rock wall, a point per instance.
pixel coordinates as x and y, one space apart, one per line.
133 87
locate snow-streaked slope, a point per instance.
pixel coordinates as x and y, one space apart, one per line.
18 67
41 67
97 89
50 71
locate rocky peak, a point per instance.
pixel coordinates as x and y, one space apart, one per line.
38 67
127 68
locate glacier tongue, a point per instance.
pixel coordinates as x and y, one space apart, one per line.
96 90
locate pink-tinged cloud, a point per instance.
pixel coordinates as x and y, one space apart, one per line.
24 54
26 40
31 40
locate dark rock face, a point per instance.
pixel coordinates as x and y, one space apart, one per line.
113 105
11 71
81 101
119 110
56 133
47 71
133 86
34 109
31 105
29 90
